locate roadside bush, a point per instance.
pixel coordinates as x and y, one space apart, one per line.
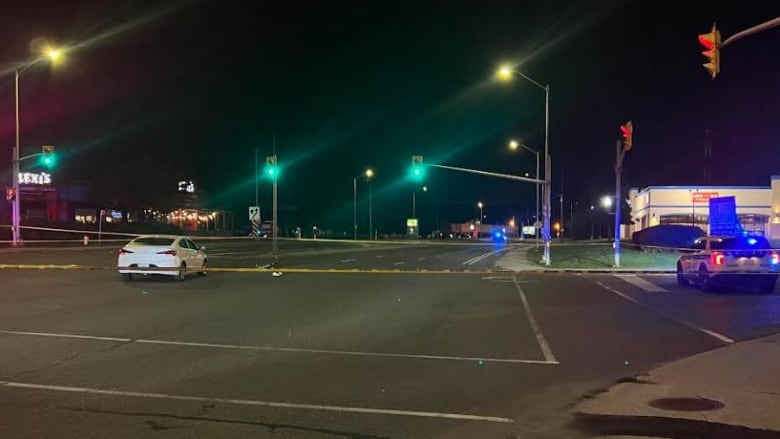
672 235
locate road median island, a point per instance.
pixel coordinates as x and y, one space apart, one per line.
719 393
599 257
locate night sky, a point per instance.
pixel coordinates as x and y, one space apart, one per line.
149 95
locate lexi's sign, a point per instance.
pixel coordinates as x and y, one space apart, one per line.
31 178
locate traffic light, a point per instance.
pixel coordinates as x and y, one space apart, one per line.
711 43
628 135
47 158
418 169
10 193
271 167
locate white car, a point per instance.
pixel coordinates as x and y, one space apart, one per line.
738 260
161 254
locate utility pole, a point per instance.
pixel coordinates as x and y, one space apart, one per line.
275 207
621 148
354 209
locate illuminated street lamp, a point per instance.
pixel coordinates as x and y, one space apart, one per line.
506 73
514 145
52 55
606 201
368 174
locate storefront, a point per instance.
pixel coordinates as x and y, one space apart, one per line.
758 207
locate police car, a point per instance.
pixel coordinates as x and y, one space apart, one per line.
732 260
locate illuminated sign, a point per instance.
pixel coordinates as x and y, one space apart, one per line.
703 197
411 222
187 186
32 178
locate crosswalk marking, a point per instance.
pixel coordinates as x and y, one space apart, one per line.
641 283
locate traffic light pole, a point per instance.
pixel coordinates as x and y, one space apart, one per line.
620 154
276 229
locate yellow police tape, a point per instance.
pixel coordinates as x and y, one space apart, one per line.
257 270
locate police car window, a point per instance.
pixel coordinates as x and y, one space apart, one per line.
749 242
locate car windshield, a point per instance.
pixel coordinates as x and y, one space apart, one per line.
741 243
153 240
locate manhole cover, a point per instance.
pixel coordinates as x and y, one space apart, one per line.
686 404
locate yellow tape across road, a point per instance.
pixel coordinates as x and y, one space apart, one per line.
257 270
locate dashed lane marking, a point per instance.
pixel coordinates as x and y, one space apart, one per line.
641 283
399 263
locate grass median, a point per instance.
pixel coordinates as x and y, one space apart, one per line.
601 256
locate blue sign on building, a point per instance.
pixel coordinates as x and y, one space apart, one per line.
723 217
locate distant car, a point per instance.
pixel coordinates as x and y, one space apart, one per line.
737 261
169 255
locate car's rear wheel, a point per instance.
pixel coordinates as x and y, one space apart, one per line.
681 280
127 277
704 279
182 272
203 271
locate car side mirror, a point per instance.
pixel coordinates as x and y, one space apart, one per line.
202 247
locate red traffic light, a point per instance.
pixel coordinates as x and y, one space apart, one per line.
628 135
711 43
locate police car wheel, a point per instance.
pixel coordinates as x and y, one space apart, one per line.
681 280
705 281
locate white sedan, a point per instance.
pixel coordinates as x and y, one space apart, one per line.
161 254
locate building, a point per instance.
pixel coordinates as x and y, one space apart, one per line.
758 207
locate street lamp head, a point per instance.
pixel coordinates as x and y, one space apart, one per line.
504 72
369 173
480 205
425 188
606 201
513 145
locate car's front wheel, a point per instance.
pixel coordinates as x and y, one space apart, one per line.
681 280
182 272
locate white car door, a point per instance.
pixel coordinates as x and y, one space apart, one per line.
196 260
185 253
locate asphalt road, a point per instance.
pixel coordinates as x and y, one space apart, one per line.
346 354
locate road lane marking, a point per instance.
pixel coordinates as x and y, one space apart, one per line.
380 256
713 334
421 259
399 263
641 283
281 349
256 403
79 336
348 260
543 345
476 259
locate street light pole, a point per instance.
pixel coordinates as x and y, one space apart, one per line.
371 234
547 174
354 208
16 220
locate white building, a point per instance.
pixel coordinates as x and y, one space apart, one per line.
758 207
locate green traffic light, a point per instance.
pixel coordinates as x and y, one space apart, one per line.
272 171
418 172
48 160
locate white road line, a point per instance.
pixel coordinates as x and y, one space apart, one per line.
256 403
278 349
380 256
543 345
421 259
348 260
476 259
230 253
399 263
683 322
51 334
641 283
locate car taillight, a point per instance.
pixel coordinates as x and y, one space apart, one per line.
717 258
774 258
168 252
124 251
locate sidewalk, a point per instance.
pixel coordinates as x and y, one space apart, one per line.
516 259
731 389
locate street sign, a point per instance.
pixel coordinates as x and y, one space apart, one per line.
538 225
703 197
411 222
723 217
254 213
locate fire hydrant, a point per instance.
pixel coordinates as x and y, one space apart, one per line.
86 240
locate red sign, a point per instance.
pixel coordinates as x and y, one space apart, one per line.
703 197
